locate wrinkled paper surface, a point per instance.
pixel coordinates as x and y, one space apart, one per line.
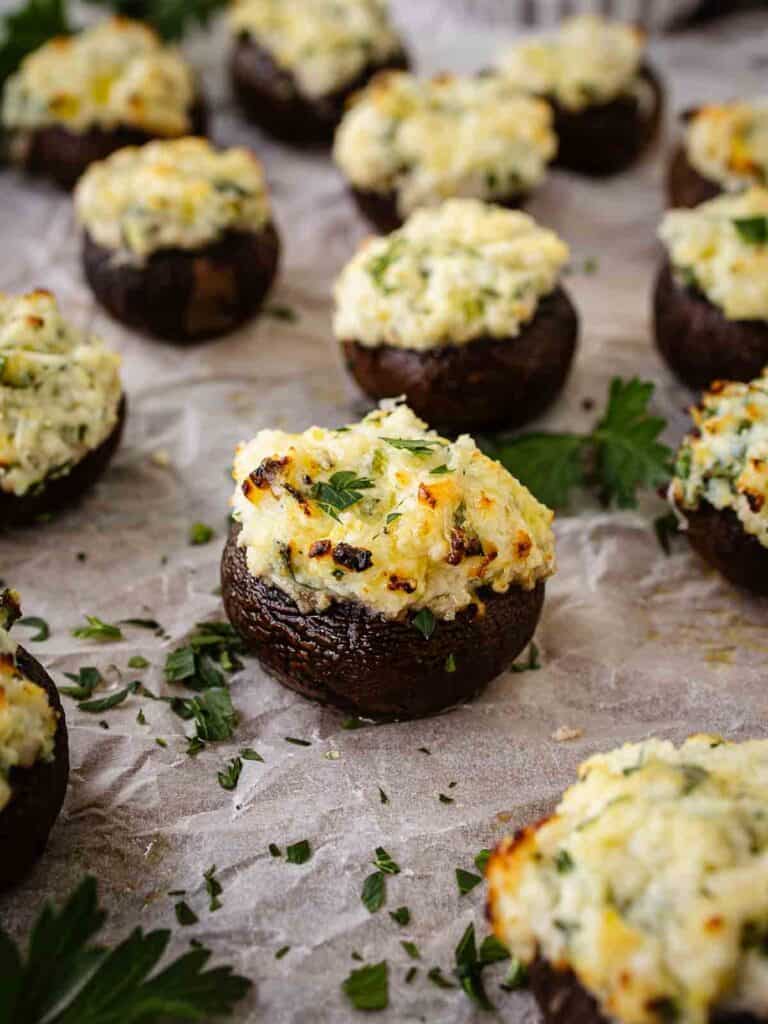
633 643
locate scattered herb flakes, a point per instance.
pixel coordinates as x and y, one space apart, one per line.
425 622
297 742
393 517
161 742
563 862
424 750
411 949
516 977
356 956
420 446
151 624
466 881
230 775
401 916
666 528
469 969
211 650
194 746
353 723
384 862
444 799
450 663
753 230
103 724
481 860
532 663
140 718
383 796
249 754
492 950
411 975
212 711
374 892
96 629
87 679
201 533
185 915
282 952
34 622
440 470
436 976
138 662
280 312
298 853
367 988
112 700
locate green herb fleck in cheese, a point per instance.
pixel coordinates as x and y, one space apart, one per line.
460 271
116 73
663 911
728 144
359 514
181 193
725 462
589 60
721 247
59 392
27 721
427 140
323 43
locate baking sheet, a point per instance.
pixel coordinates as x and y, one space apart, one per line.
633 643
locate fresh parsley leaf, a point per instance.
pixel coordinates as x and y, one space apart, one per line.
466 881
401 916
437 977
425 622
563 862
112 700
87 680
66 973
141 718
353 723
97 630
201 533
343 490
185 915
230 775
516 977
469 969
213 888
138 662
249 754
492 950
211 650
298 853
212 711
42 627
367 988
419 446
481 860
532 664
411 949
753 230
283 951
297 742
374 892
440 470
550 465
384 862
666 528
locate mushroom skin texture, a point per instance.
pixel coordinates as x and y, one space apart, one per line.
361 662
718 536
606 138
38 792
59 492
271 97
56 152
485 384
698 342
685 186
184 295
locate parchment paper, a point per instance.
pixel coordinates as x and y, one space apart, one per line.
633 643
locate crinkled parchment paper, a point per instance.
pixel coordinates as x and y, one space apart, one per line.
633 643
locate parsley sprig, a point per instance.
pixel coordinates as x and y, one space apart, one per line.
65 978
343 490
618 457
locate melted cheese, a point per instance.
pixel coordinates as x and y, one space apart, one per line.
725 462
173 194
116 73
728 144
27 721
422 529
460 271
712 248
59 392
588 61
325 44
427 140
650 881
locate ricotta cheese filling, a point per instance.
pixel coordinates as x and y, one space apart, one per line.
650 881
117 73
429 139
325 44
27 721
451 274
387 513
181 193
588 61
728 143
59 392
725 460
721 248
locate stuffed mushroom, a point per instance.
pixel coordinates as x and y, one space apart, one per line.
460 311
34 754
720 488
78 98
711 294
178 237
644 898
724 149
606 99
405 143
381 568
295 64
61 409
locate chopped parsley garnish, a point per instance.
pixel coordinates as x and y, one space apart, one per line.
343 490
34 622
298 853
753 230
379 265
151 624
211 650
67 976
161 742
230 775
138 662
421 446
275 850
384 862
411 974
532 664
563 862
492 950
249 754
444 799
393 516
440 470
666 528
383 796
466 881
411 949
450 663
367 988
297 742
282 952
201 533
469 969
213 888
437 977
87 680
425 622
185 915
96 629
212 711
481 860
516 977
402 916
374 892
141 718
112 700
279 312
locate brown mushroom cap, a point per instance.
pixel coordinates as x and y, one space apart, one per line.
685 186
719 537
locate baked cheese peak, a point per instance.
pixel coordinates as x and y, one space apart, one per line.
117 73
589 60
727 143
60 392
387 513
451 274
649 882
429 139
720 247
324 44
725 461
180 193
